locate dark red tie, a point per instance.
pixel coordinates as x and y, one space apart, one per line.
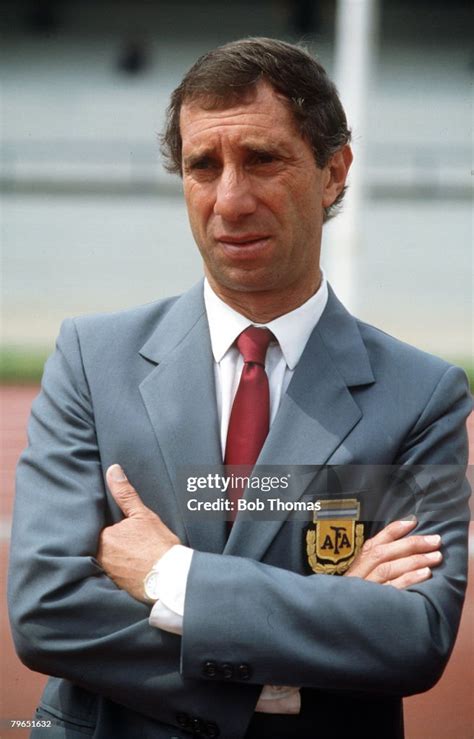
250 416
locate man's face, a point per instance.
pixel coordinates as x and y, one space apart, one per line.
254 196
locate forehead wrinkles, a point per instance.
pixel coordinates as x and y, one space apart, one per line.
241 121
229 137
265 111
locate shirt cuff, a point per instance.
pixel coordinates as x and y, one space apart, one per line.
172 570
279 699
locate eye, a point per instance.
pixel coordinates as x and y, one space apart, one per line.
204 163
262 157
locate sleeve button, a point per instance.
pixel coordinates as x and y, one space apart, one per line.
227 671
197 726
209 669
244 671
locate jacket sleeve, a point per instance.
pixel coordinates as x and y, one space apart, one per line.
344 633
68 618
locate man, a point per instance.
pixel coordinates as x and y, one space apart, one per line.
157 624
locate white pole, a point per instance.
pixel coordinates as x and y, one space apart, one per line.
356 23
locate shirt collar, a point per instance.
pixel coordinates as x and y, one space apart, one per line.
292 330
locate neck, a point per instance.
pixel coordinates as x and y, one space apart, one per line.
264 306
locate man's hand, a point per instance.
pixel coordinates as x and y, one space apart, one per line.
129 549
392 558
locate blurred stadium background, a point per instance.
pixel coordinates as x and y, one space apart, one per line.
90 221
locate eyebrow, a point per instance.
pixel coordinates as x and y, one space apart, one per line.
197 156
251 145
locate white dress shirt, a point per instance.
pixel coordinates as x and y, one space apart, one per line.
292 332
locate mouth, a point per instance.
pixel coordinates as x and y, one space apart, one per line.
245 245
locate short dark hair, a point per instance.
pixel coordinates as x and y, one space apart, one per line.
227 75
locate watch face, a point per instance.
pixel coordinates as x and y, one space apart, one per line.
151 586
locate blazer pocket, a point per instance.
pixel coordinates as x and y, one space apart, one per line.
59 726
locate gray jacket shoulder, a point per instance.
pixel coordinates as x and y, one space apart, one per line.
135 323
413 376
386 350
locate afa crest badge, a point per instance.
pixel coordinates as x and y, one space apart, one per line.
336 538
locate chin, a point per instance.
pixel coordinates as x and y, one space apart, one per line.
246 283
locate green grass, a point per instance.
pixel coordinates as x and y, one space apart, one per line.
23 366
469 369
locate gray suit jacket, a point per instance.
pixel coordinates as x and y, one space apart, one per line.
137 388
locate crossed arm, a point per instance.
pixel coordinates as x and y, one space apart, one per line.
392 643
130 548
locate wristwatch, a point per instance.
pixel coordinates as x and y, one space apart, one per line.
150 585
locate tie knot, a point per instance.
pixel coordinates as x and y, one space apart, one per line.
253 344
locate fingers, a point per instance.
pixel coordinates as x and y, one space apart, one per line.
123 493
389 572
374 554
392 557
410 578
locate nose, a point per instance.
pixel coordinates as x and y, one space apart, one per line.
234 195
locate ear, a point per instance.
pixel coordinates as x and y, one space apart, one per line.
336 173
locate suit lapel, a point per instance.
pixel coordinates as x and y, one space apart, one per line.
180 399
316 414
